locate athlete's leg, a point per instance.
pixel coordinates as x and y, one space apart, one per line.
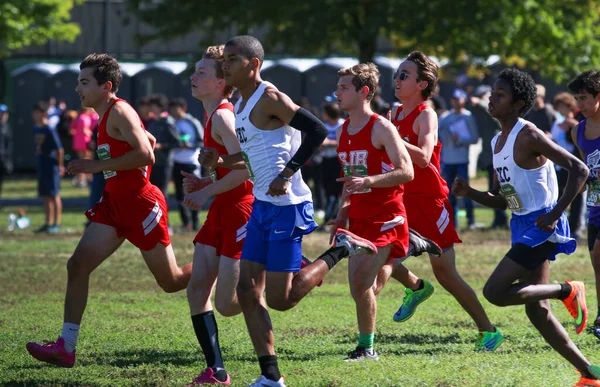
49 210
98 242
362 273
250 294
202 280
501 288
162 263
204 273
595 256
444 269
226 299
542 318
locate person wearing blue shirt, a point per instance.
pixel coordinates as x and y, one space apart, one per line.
185 157
49 154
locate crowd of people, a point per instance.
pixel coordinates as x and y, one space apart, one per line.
389 195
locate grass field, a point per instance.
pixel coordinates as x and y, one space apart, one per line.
134 334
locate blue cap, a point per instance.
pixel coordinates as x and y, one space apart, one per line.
331 98
481 90
459 94
3 108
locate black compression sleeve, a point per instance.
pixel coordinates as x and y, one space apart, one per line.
315 131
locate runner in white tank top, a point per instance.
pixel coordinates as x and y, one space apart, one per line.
526 182
266 153
525 190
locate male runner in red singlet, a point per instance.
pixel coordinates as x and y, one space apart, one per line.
375 165
218 245
130 208
426 198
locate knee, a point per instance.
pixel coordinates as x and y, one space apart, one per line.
493 294
75 268
169 285
539 310
358 287
227 308
278 302
246 292
198 291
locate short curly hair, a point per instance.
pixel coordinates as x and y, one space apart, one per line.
363 74
588 81
522 86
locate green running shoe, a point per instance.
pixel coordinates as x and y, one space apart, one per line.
489 341
412 299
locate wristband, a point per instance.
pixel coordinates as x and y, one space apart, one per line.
285 178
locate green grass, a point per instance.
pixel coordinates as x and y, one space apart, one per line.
134 334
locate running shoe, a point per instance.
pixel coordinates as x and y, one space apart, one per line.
412 299
52 352
489 341
354 243
576 305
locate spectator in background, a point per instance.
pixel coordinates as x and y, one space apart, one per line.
64 134
311 171
541 115
185 157
487 126
82 129
566 106
145 112
457 132
167 139
50 167
378 104
6 137
439 105
55 112
332 118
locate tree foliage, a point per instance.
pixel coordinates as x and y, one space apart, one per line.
33 22
556 37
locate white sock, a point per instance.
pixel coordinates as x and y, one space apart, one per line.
70 332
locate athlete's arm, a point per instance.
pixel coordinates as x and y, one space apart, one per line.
279 105
223 126
386 136
125 120
491 199
540 144
427 126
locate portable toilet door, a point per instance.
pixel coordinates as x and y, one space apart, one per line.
288 75
387 69
62 86
126 88
29 87
157 77
321 80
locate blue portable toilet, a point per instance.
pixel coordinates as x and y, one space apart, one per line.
321 80
30 86
288 75
387 68
158 77
126 88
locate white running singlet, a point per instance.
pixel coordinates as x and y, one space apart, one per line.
266 153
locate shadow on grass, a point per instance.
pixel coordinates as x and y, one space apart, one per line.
407 338
128 358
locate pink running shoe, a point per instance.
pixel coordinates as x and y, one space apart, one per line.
354 243
306 262
52 352
207 377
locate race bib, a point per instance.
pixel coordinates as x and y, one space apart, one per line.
510 194
593 194
103 152
357 170
248 166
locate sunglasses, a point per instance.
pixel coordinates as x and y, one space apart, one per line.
401 76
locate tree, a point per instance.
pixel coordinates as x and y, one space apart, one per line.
557 37
32 22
